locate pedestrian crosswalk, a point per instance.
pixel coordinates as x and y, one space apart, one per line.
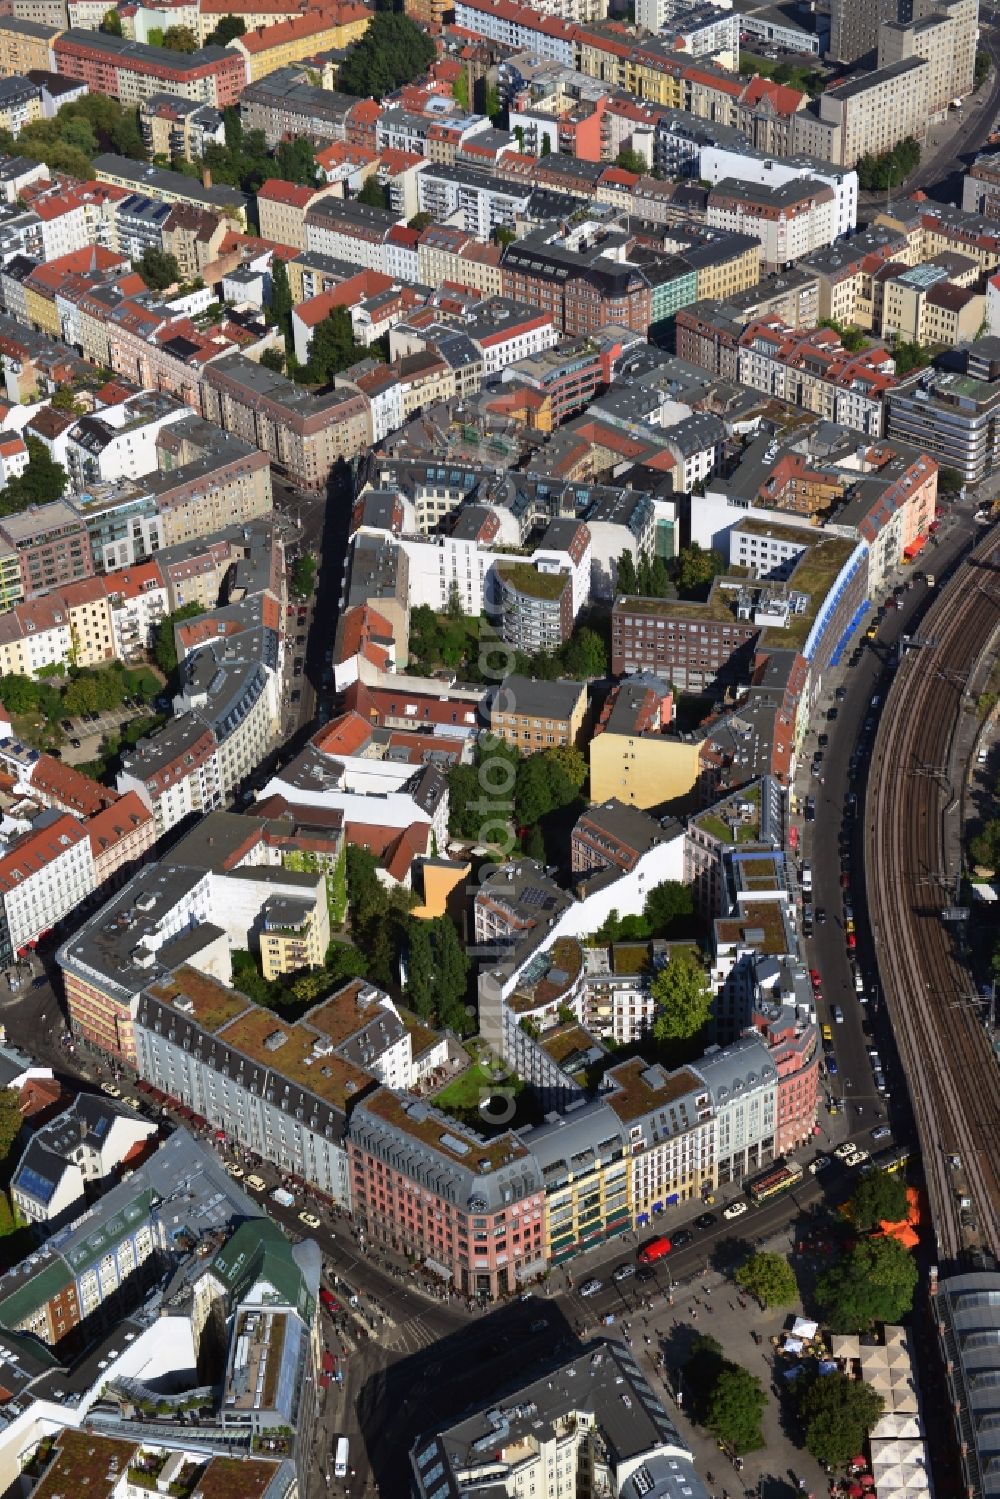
408 1337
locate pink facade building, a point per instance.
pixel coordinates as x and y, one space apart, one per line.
470 1209
794 1048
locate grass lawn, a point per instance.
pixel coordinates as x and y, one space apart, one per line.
145 681
461 1099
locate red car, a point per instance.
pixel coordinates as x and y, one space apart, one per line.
816 980
329 1300
935 525
852 942
845 882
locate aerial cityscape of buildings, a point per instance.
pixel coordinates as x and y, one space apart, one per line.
498 695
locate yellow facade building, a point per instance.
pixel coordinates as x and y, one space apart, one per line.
289 42
642 770
295 934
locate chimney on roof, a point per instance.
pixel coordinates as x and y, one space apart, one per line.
206 176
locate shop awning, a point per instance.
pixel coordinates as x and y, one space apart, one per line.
437 1268
915 547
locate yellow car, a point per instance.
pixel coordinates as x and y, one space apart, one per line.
827 1034
256 1184
872 632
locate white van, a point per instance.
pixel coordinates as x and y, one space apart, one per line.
340 1458
807 877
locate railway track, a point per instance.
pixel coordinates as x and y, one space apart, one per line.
948 1060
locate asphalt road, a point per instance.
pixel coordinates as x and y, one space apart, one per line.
834 843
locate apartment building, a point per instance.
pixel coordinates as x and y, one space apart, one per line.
180 128
281 211
922 304
25 45
278 1089
855 28
132 71
944 36
533 715
51 545
169 187
594 1414
304 433
811 368
582 1159
44 874
954 418
283 43
82 1147
282 105
668 1122
698 647
866 116
436 1190
790 220
611 835
485 203
580 277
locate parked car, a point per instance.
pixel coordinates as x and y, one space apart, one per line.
705 1220
819 1164
256 1183
735 1210
591 1287
838 1015
309 1219
843 1151
881 1132
681 1237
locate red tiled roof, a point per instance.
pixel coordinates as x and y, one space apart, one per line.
274 190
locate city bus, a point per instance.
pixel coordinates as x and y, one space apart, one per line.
779 1179
894 1160
653 1250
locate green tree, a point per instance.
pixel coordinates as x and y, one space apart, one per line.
682 997
420 970
534 845
533 790
492 106
878 1198
567 770
19 694
164 647
696 567
736 1407
631 161
332 349
890 169
273 359
374 193
874 1282
950 481
41 482
770 1279
281 301
460 91
11 1122
626 582
909 356
303 579
112 23
420 221
982 66
451 971
584 655
393 51
669 909
159 269
295 161
455 609
546 145
180 39
228 29
836 1413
